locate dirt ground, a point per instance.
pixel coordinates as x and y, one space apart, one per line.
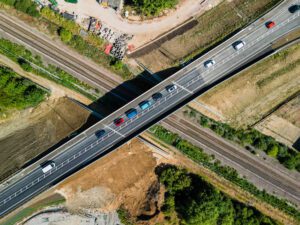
113 180
36 130
29 132
284 123
245 99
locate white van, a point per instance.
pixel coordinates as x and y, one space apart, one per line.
47 166
238 45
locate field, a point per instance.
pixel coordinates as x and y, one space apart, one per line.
213 26
247 98
284 123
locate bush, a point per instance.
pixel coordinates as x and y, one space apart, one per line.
65 35
273 151
152 7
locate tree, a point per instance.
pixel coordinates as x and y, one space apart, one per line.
27 6
152 7
260 143
174 179
65 35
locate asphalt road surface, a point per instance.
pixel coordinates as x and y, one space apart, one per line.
189 81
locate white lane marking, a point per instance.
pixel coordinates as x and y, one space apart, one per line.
182 87
114 131
146 110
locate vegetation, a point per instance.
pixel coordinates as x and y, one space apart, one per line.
90 46
65 35
24 213
191 200
17 92
195 153
151 7
251 139
124 216
33 63
26 6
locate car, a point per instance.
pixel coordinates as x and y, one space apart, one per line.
238 45
270 24
170 88
118 121
131 113
47 166
144 105
156 96
294 8
209 63
100 133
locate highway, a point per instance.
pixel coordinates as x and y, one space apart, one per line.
189 81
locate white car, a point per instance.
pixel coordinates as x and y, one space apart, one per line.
238 45
209 63
48 166
171 88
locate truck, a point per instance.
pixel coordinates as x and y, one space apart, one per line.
131 113
47 166
144 105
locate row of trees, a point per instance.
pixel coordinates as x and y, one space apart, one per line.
251 139
199 156
151 7
17 92
26 6
191 200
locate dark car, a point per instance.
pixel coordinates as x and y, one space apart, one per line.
100 133
294 8
170 88
118 121
270 24
156 96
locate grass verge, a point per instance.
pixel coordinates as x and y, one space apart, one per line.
50 201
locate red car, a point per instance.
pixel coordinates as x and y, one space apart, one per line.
270 24
118 121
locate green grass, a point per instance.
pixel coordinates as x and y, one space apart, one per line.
34 208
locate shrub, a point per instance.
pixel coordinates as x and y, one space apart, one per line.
65 35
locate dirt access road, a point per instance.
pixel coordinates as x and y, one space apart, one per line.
144 31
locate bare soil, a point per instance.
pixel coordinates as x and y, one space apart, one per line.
284 123
36 130
28 133
243 102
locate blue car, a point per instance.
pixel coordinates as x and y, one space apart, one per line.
100 133
131 113
144 105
